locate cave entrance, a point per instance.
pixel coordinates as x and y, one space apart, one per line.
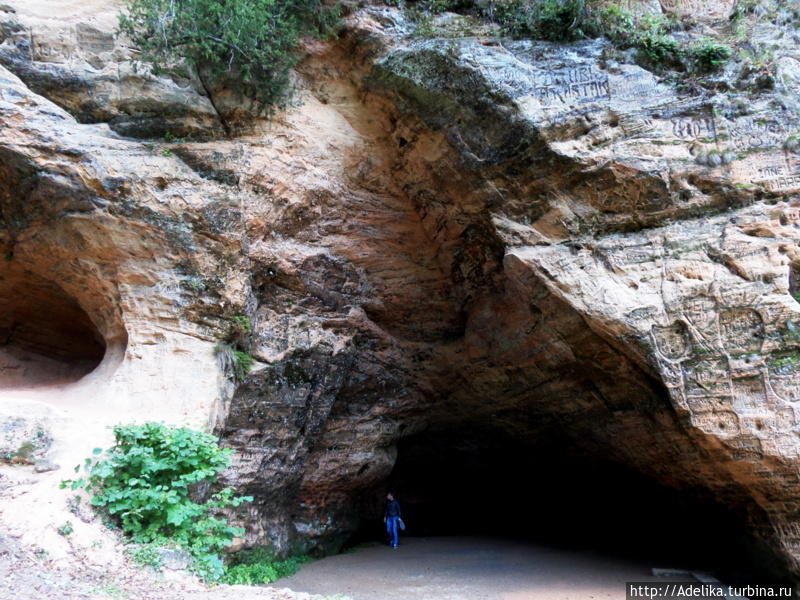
478 482
46 337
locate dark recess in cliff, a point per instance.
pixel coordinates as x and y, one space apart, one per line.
45 335
479 482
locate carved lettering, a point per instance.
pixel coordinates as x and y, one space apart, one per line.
754 132
701 311
671 341
694 128
562 86
741 329
706 377
749 393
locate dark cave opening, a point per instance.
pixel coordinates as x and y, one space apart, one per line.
45 335
469 483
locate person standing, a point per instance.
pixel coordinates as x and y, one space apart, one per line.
392 517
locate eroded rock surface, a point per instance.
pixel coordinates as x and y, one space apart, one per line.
452 233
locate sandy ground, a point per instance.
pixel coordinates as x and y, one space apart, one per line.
463 568
445 568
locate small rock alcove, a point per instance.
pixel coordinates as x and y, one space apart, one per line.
46 338
470 482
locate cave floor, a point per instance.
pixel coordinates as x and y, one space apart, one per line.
474 568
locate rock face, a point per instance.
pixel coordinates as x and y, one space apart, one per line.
507 240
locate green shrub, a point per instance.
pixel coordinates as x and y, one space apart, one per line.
258 566
146 555
614 23
551 20
65 529
242 364
710 57
242 323
659 50
145 481
233 360
248 45
559 20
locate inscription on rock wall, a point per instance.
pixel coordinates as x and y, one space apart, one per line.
749 393
741 329
671 341
775 171
754 132
694 128
722 423
701 312
785 387
706 377
94 40
567 86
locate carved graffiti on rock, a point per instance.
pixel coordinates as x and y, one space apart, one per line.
706 377
671 341
749 393
720 423
701 312
785 419
741 329
787 388
755 132
569 86
700 128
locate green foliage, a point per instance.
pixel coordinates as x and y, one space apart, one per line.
709 57
615 23
659 49
649 34
144 484
440 6
112 590
242 323
785 365
559 20
25 450
146 555
65 529
258 566
242 364
234 360
552 20
247 45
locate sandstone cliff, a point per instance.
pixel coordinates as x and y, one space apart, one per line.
446 232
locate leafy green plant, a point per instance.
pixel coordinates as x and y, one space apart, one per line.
258 566
242 323
233 360
243 362
559 20
615 23
659 49
146 555
112 590
785 365
145 481
247 45
709 56
65 529
552 20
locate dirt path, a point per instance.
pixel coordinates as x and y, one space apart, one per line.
461 568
